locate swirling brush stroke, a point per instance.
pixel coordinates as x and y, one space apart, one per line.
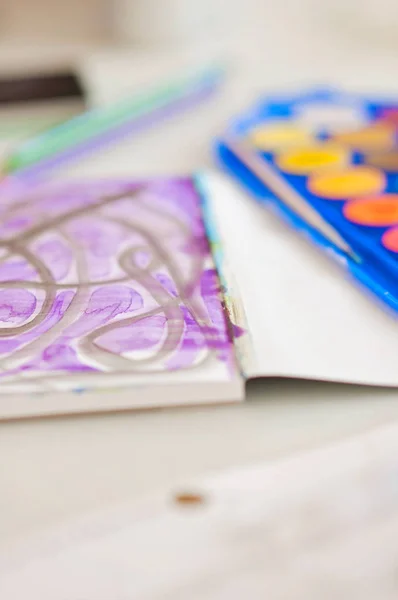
119 282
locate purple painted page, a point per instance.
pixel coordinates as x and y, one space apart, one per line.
107 277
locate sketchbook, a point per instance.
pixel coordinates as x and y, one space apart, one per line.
120 294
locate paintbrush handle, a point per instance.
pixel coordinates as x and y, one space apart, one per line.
267 175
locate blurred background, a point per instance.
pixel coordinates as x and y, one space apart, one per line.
117 48
345 41
103 21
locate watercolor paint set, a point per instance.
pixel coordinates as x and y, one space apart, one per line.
328 160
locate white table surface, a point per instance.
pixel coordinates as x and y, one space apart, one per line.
55 469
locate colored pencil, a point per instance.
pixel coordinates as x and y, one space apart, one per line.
102 125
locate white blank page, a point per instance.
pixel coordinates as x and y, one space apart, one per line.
306 317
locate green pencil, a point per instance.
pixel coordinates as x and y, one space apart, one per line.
80 130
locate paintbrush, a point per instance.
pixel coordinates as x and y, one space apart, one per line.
287 194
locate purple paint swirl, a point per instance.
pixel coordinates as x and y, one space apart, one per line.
108 277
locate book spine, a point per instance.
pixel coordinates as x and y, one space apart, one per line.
230 297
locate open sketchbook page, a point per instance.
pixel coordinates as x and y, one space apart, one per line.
305 317
109 287
322 525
